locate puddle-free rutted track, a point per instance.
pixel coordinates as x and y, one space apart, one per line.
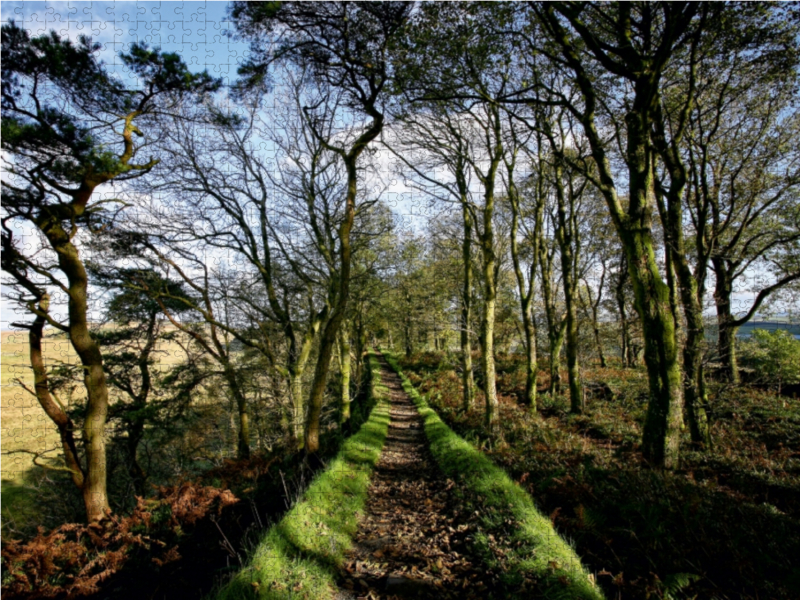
413 540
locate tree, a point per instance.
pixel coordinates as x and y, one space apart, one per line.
346 47
775 356
275 220
743 165
131 351
67 129
635 43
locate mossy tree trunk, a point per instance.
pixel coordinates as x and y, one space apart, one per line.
344 363
643 70
341 282
691 290
492 129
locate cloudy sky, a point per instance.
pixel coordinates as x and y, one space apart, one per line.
194 29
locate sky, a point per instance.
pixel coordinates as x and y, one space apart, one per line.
196 30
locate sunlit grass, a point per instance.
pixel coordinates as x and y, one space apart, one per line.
298 557
535 552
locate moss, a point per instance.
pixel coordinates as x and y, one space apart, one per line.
298 557
534 551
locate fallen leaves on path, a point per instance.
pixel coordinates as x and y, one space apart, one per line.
413 540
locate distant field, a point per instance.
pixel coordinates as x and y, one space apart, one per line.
746 330
23 423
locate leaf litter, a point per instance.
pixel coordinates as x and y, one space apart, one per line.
415 537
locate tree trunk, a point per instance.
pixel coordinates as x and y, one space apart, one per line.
490 283
407 336
566 237
726 336
526 289
695 396
576 401
298 407
139 477
664 420
487 334
243 436
344 361
467 377
341 292
626 353
298 359
360 349
95 495
593 306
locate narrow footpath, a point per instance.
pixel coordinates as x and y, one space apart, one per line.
413 540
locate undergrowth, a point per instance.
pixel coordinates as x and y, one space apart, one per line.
74 559
725 524
298 557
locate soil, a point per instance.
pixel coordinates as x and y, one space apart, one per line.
414 538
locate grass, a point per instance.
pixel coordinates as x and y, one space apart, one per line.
724 525
298 557
534 554
26 427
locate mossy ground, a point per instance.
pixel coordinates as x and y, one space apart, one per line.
725 524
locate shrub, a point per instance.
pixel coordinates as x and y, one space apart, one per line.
74 559
774 355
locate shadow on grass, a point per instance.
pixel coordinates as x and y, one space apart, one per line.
37 498
537 560
298 557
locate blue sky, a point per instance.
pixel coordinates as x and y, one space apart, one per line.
196 30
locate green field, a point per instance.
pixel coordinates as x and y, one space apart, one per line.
25 426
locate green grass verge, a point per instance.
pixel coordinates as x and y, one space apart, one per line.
298 557
535 555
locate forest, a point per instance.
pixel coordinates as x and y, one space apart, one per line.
430 300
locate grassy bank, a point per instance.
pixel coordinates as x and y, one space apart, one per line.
298 557
514 532
724 525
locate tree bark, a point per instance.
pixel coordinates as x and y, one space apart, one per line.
243 436
619 292
726 336
664 420
95 494
467 376
344 362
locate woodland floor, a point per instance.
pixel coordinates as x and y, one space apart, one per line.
724 525
413 540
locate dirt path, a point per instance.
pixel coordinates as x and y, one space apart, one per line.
412 541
